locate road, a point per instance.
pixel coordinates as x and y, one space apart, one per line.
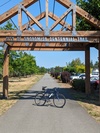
26 117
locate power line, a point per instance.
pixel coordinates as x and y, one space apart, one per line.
13 23
53 6
5 3
40 6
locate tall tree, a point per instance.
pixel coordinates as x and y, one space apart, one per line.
8 26
75 66
92 7
96 64
75 62
91 64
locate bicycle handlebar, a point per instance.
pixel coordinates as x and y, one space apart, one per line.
44 88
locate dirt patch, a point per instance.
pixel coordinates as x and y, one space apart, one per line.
17 87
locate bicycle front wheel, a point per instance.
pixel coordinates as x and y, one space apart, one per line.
40 99
59 100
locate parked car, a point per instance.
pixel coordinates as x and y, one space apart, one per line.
80 76
94 82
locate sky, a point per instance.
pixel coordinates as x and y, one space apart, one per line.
49 59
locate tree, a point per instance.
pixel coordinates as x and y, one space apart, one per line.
8 26
58 69
93 8
70 69
80 68
96 64
75 62
21 63
42 70
75 66
91 64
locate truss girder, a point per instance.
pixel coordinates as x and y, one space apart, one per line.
52 16
26 3
38 18
13 11
59 40
62 22
79 11
61 18
32 17
7 33
55 38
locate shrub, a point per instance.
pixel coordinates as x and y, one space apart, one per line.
52 74
59 77
65 77
79 84
56 74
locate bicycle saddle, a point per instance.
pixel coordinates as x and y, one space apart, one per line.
43 87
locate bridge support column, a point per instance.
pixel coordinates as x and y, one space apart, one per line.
5 73
87 70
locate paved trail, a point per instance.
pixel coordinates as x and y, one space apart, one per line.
25 117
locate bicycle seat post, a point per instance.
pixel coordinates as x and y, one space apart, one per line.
43 87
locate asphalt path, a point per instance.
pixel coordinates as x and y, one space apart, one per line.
26 117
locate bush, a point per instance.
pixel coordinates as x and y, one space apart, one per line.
78 84
59 77
65 77
56 75
52 74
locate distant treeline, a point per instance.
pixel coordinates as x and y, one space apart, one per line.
21 64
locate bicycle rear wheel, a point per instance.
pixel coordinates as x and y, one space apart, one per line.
59 100
40 99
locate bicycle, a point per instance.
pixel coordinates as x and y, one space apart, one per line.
41 98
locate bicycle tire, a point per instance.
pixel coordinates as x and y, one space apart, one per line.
40 99
59 100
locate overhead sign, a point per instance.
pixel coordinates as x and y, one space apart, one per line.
46 39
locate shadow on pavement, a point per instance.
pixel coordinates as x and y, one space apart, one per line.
67 92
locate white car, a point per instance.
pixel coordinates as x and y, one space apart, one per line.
81 76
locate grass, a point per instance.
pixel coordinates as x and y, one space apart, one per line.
90 103
17 87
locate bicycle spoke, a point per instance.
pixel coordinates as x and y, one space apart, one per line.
59 100
40 99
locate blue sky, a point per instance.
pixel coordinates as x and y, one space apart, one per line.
45 58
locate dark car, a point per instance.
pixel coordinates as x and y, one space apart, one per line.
94 82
